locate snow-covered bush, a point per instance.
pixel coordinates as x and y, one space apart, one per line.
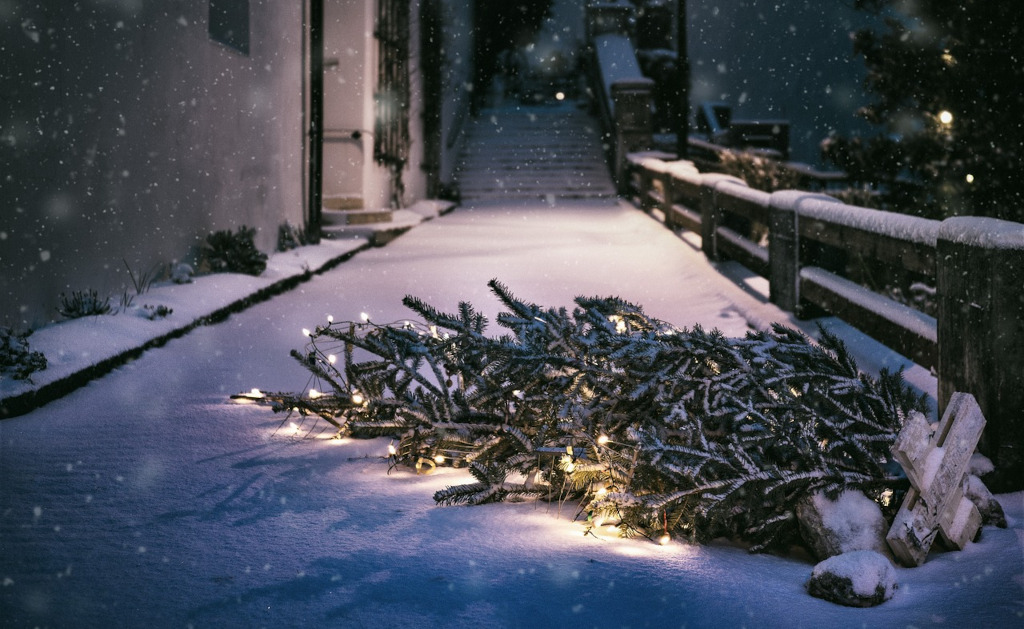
290 237
654 429
16 359
233 252
759 172
83 304
158 311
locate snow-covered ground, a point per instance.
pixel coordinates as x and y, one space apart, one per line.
148 499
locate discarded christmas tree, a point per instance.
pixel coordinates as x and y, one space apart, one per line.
654 429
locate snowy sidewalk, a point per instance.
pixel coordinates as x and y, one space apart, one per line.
81 350
149 499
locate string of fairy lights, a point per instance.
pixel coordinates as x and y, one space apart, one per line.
329 395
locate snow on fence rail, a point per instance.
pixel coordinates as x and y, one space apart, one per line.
821 255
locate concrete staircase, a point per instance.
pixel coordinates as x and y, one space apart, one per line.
533 152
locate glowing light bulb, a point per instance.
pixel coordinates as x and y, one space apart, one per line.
970 178
602 439
560 96
886 497
601 492
294 428
365 317
330 318
357 397
620 323
664 539
392 450
331 358
945 117
314 394
438 458
256 393
305 332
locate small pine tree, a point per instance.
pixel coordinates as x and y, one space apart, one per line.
651 427
233 252
16 359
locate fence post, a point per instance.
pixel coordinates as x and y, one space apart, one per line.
784 247
710 216
631 99
708 219
784 251
980 266
668 198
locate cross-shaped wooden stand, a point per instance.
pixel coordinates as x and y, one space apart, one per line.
936 465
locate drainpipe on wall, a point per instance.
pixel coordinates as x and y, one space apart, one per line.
316 120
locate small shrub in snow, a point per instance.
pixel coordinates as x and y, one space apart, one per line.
156 312
143 281
760 173
182 273
652 428
233 252
290 237
83 304
16 359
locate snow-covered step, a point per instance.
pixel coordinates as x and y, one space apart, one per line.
343 202
517 151
355 217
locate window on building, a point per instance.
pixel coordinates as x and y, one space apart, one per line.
229 23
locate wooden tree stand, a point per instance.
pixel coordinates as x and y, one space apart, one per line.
936 465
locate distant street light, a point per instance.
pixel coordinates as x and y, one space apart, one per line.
682 83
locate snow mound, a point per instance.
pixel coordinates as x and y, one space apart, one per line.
862 578
850 522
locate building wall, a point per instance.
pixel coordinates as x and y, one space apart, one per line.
127 133
349 83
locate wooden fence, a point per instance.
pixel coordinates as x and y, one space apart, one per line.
822 256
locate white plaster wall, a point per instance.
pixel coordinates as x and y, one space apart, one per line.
348 96
129 134
350 85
